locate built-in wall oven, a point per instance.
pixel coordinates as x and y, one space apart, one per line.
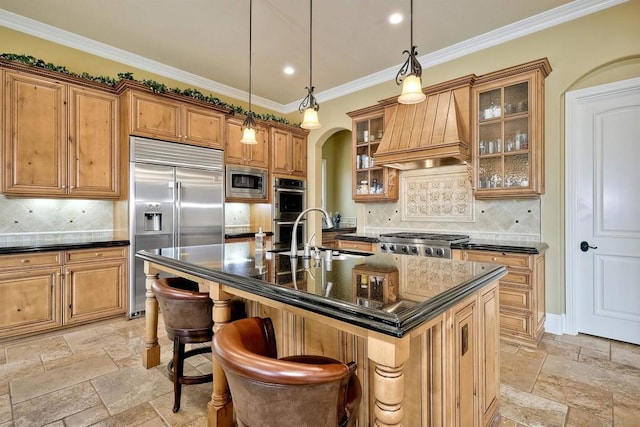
289 200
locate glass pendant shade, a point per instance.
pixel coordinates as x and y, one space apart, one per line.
411 90
249 136
310 119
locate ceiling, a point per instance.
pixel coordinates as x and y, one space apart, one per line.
206 42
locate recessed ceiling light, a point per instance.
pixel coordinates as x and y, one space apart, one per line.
395 18
289 70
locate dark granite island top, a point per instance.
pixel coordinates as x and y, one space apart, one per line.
426 288
430 320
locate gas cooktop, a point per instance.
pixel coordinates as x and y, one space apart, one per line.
422 244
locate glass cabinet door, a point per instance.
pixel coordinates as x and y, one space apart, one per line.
370 182
509 133
503 137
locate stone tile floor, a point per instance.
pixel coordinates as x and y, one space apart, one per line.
93 376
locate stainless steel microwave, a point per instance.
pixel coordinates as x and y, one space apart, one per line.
247 183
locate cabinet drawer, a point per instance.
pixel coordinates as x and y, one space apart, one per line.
95 254
29 260
519 299
357 246
515 323
506 259
517 278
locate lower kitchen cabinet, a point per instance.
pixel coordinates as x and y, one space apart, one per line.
42 291
94 284
30 291
521 294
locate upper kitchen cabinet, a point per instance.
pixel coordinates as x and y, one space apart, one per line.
60 139
508 133
289 152
370 181
237 153
162 117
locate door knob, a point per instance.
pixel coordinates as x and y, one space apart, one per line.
584 246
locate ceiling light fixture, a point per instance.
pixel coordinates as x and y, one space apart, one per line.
309 106
249 125
410 74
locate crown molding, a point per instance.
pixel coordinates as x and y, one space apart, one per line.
565 13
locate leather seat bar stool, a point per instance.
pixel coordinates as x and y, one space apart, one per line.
305 390
188 320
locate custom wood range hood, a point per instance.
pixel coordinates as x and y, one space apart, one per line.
435 132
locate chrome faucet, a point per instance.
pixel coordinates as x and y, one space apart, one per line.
294 234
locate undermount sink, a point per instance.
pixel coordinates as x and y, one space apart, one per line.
336 254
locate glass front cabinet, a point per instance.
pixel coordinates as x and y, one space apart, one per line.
370 182
508 132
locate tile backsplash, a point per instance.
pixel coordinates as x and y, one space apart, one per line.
35 220
441 200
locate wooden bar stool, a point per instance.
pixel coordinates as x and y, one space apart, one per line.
187 318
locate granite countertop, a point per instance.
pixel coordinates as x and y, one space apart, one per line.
357 289
472 244
59 244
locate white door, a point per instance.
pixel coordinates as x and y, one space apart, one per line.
603 173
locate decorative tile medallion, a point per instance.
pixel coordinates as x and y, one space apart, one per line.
440 194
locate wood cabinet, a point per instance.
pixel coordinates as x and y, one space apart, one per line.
370 182
43 291
30 291
521 294
61 140
159 117
508 134
289 153
356 245
94 284
237 153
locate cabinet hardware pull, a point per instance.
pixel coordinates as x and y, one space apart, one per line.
24 261
465 339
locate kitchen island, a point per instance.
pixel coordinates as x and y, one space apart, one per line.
423 331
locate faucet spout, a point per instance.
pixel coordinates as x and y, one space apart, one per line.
294 233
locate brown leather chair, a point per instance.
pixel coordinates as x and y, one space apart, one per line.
298 391
187 319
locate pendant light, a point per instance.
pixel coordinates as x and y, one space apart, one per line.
249 125
410 74
309 106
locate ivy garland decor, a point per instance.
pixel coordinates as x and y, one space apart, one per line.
152 84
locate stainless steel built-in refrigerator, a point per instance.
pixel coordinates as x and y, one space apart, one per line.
176 199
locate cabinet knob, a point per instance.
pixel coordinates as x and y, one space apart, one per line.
24 261
494 259
98 254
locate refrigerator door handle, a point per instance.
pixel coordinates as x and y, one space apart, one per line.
177 216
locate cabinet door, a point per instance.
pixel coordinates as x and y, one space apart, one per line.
489 354
94 150
259 153
465 364
203 127
281 151
94 290
242 154
35 136
155 117
299 155
30 301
